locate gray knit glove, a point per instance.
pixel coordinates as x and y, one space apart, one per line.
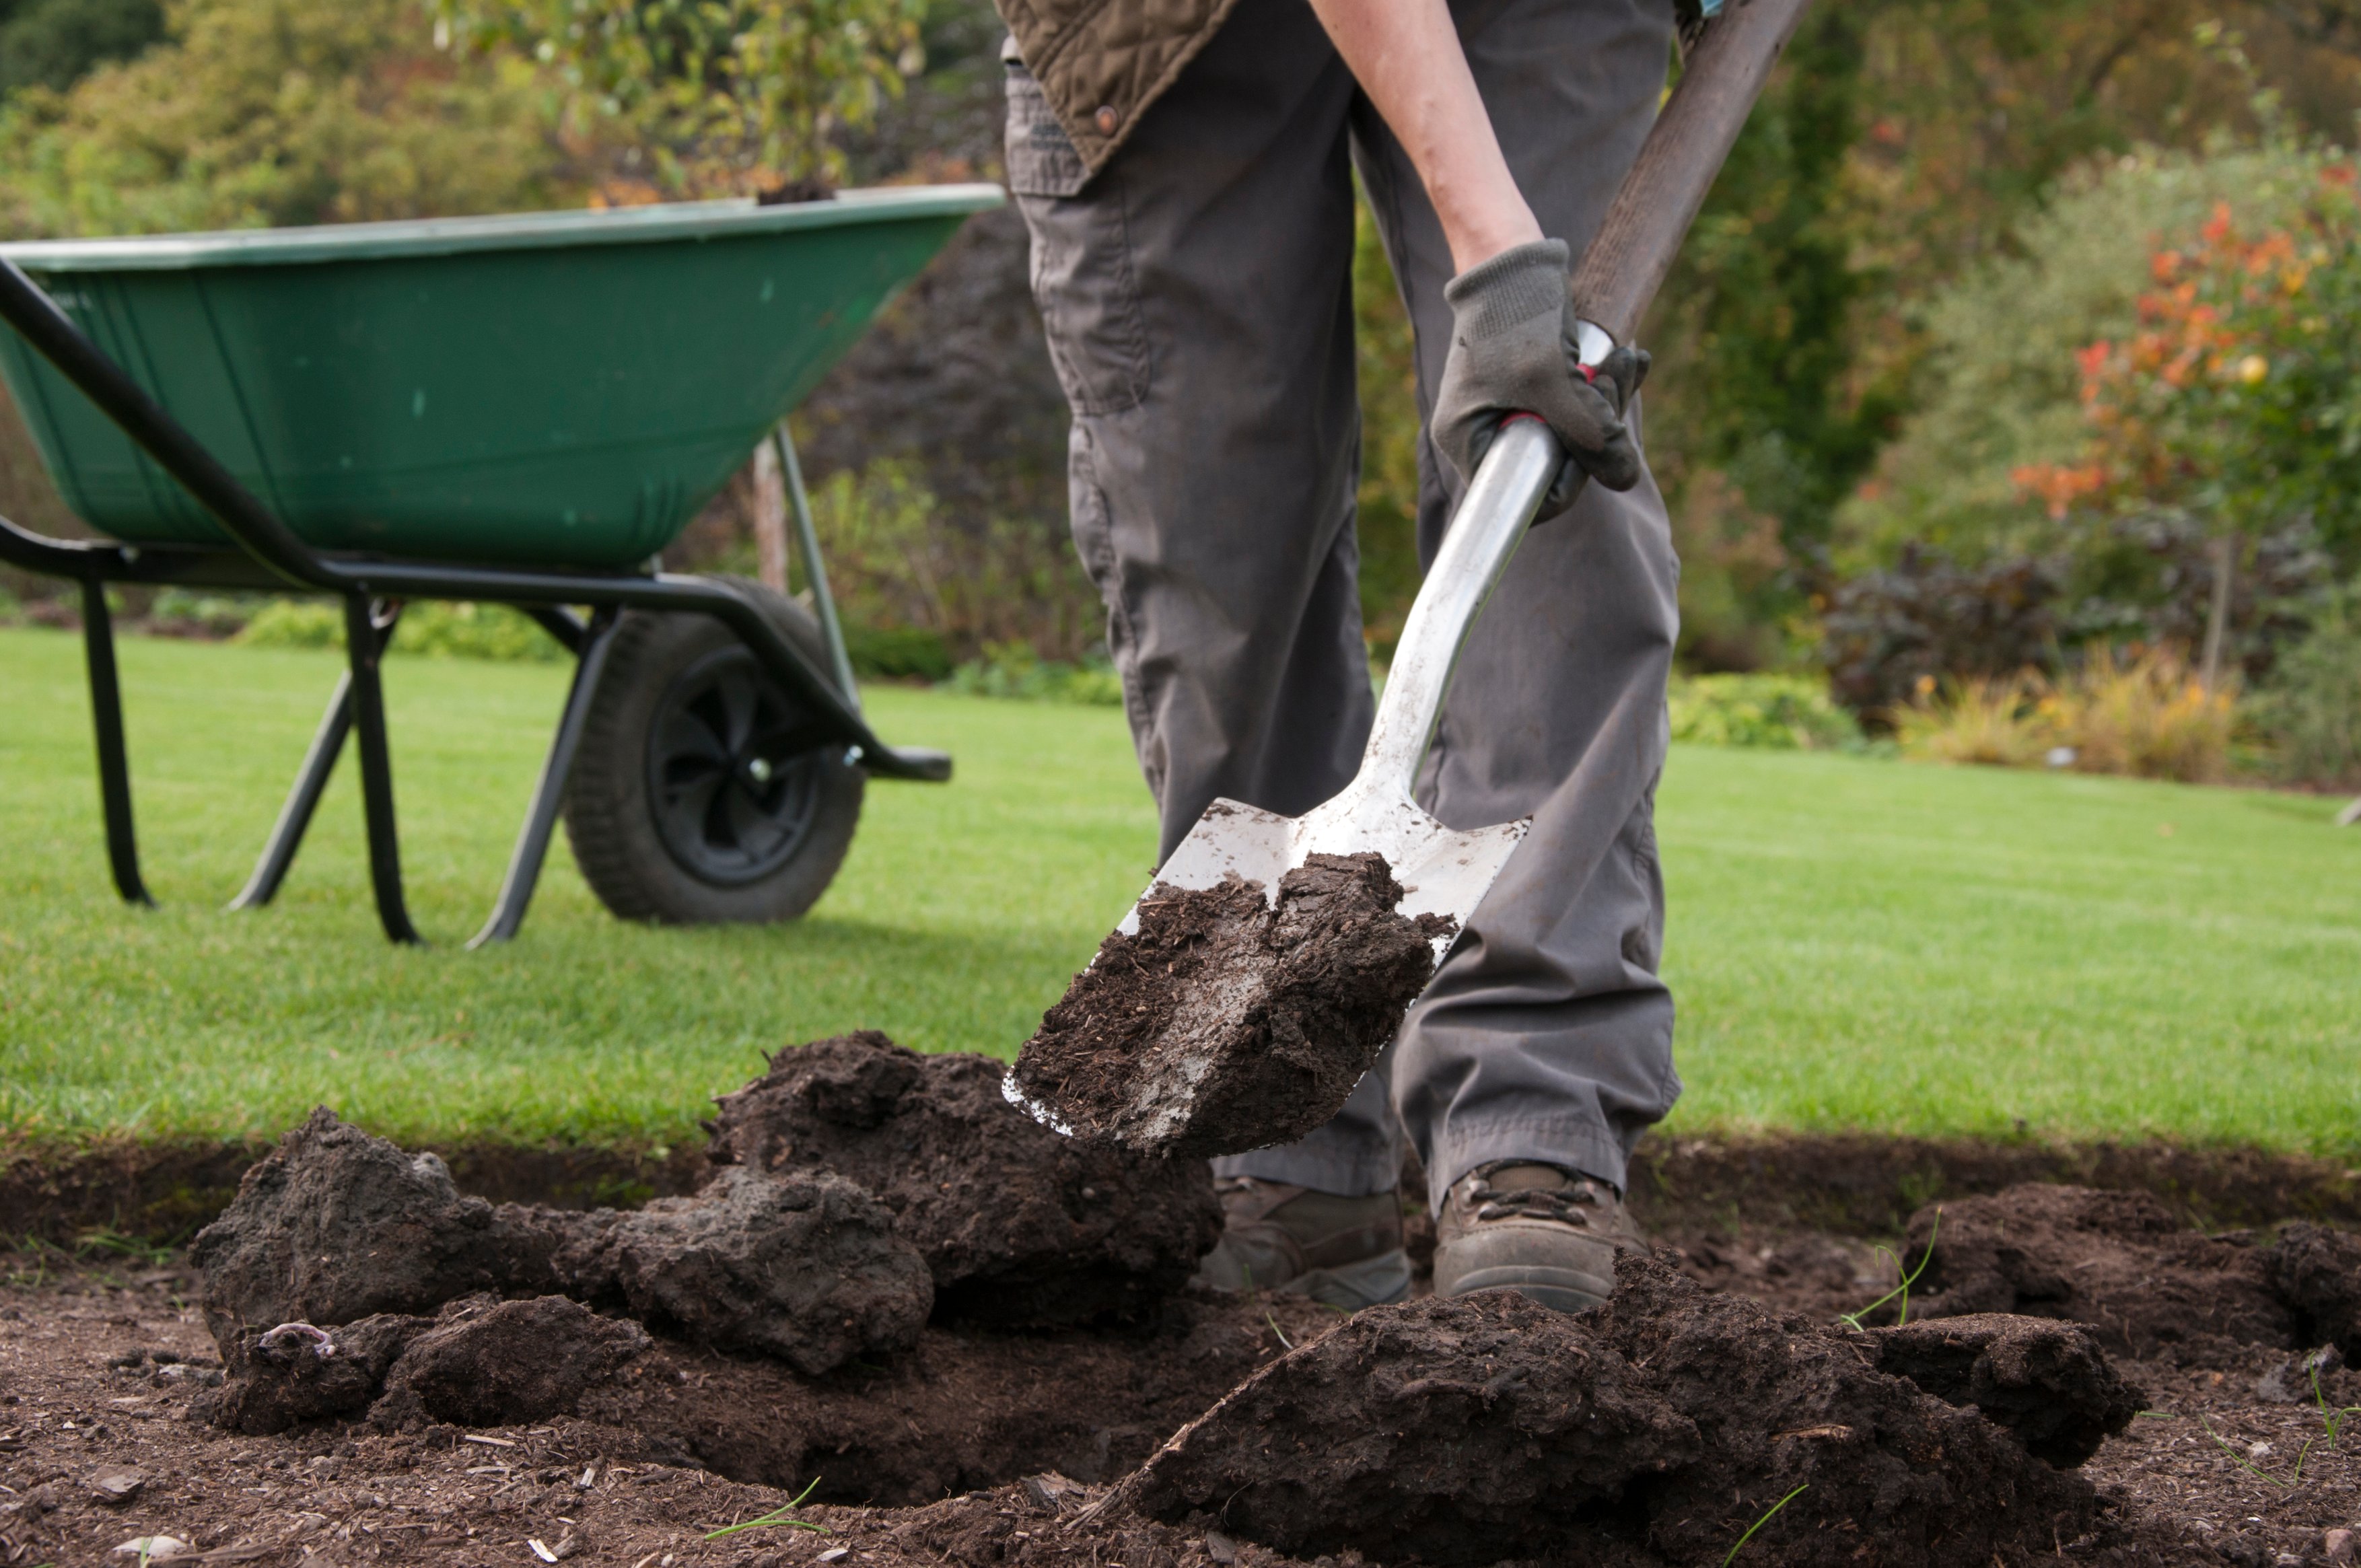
1513 350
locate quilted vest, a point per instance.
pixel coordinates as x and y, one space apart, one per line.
1101 62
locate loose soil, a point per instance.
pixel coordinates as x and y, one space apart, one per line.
1019 1433
1226 1023
1215 1430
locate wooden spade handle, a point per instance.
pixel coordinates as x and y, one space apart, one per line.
1620 273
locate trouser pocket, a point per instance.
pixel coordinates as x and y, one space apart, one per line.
1082 276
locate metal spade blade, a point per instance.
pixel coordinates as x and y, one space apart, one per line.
1442 871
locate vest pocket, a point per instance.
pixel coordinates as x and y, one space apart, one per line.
1041 158
1083 280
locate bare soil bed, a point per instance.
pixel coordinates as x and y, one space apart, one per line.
362 1364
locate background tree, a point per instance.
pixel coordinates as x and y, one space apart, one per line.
54 43
717 94
271 111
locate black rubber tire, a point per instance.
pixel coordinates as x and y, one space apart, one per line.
666 817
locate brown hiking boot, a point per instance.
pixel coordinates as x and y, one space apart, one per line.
1344 1252
1541 1229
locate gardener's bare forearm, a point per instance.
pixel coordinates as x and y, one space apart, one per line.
1406 55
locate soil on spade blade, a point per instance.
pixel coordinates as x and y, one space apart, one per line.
983 1447
1225 1024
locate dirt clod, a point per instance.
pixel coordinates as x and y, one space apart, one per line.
335 1225
491 1363
2317 1272
2046 1381
280 1376
1458 1430
480 1362
1224 1024
1652 1430
802 1265
1018 1226
2117 1263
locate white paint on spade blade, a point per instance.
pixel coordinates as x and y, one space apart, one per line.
1441 872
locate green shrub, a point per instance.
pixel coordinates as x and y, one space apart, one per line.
434 629
443 630
1792 713
2311 710
178 612
1013 670
897 653
897 558
296 623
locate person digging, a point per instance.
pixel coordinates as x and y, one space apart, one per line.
1184 168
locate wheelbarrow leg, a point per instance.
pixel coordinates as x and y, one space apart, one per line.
295 816
368 626
114 761
814 573
549 793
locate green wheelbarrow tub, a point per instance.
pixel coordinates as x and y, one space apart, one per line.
548 388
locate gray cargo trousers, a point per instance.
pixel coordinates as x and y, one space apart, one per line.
1197 294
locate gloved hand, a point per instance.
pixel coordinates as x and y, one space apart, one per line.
1513 350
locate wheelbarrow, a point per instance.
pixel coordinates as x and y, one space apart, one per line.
518 410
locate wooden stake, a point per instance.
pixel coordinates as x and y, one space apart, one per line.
769 517
2217 614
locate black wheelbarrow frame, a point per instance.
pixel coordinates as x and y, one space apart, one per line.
266 554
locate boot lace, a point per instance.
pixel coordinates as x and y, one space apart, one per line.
1575 1203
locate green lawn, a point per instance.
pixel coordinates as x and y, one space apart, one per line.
1854 943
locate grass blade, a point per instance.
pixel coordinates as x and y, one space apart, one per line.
1758 1524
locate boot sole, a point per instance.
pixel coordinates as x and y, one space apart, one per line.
1561 1290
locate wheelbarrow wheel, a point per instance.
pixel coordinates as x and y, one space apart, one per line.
682 807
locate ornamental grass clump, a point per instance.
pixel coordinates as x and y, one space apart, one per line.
2148 717
1982 721
2140 715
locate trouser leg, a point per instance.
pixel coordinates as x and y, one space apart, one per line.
1548 1034
1197 294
